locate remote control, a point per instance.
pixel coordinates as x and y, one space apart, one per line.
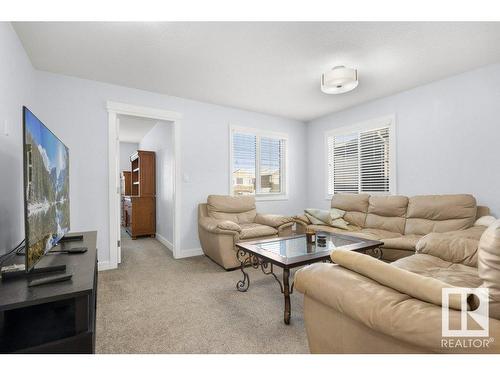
75 250
50 279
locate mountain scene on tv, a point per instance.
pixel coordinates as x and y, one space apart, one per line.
47 189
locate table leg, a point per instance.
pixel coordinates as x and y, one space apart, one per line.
244 284
286 292
377 253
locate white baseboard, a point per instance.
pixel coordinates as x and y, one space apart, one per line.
165 242
184 253
190 253
104 266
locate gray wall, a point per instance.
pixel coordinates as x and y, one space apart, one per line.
16 88
160 139
75 110
448 137
126 149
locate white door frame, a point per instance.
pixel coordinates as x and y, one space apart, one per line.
115 109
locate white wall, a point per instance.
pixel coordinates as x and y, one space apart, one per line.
126 149
16 88
448 137
160 139
75 109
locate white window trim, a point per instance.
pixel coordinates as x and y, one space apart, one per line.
267 134
389 120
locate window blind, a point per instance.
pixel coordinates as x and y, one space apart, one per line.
374 160
271 161
244 163
359 162
343 163
258 163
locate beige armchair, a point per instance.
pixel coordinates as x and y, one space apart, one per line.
224 221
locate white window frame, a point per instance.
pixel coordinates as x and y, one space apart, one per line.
390 121
283 195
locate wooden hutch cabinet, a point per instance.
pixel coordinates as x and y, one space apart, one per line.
139 208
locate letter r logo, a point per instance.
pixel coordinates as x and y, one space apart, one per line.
472 323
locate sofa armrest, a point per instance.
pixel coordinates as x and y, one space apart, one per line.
382 309
459 246
219 226
302 219
275 221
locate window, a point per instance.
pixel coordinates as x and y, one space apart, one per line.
258 161
361 158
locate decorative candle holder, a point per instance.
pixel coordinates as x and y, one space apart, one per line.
310 236
321 239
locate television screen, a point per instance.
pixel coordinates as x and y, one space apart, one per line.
46 188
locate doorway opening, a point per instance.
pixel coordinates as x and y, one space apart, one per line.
144 181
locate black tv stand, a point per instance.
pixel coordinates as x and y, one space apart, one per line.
53 318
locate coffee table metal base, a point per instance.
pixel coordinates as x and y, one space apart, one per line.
248 259
294 251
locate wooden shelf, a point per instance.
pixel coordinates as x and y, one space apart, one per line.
139 211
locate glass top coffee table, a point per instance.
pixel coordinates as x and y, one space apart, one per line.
291 252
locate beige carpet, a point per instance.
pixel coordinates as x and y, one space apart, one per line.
155 304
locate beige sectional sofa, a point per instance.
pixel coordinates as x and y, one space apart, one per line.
364 305
400 221
224 221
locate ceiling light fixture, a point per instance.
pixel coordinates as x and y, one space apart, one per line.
339 80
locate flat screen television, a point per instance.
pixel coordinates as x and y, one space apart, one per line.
46 189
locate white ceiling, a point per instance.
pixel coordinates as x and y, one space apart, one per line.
267 67
133 129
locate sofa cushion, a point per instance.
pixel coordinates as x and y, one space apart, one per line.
390 254
354 205
376 234
272 220
254 230
440 213
326 228
387 212
489 265
240 209
418 286
405 242
459 246
454 274
216 226
485 221
332 217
